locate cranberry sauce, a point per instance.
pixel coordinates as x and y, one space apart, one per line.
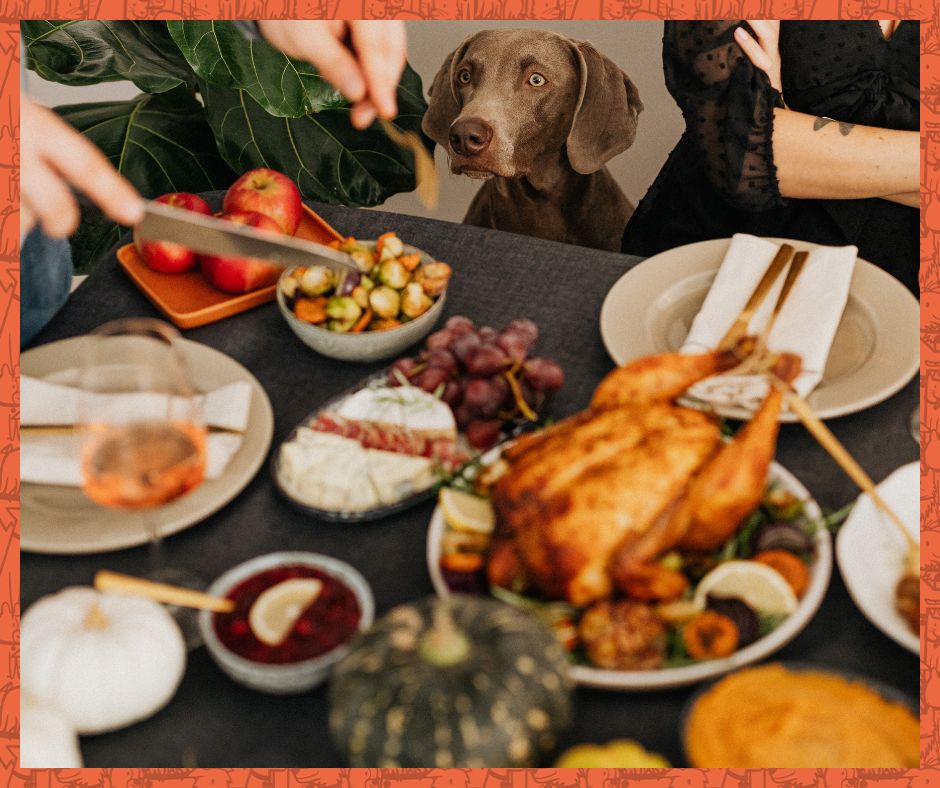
330 621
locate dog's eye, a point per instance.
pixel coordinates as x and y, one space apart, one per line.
537 80
463 76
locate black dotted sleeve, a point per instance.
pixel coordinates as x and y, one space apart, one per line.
728 107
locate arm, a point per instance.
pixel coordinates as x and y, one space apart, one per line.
818 158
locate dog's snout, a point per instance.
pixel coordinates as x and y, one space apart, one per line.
471 136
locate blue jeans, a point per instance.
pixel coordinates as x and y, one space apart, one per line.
45 281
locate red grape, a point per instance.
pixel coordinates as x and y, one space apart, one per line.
458 324
463 415
486 360
401 368
440 339
430 379
452 393
514 347
483 397
483 434
525 329
488 334
441 359
463 344
543 374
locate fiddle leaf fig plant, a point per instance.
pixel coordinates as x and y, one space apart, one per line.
215 104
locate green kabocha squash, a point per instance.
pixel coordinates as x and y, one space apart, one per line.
462 682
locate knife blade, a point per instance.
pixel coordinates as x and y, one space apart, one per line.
209 235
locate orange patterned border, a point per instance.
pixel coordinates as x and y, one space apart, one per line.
926 10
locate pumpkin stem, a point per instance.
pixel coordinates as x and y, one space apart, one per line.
444 645
95 618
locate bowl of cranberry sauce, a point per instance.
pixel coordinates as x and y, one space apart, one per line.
319 636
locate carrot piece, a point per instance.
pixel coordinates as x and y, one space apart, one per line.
385 324
362 322
310 310
794 571
710 635
298 272
381 240
462 562
410 261
335 244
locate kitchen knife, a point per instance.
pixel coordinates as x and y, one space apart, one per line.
218 237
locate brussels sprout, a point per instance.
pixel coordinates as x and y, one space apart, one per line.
393 274
343 308
414 301
366 282
317 279
364 258
340 326
385 301
361 296
392 247
433 277
289 286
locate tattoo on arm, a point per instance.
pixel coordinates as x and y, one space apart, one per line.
844 128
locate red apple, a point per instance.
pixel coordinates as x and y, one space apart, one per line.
269 192
167 257
242 274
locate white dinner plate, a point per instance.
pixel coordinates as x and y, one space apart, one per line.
875 351
61 520
667 678
871 552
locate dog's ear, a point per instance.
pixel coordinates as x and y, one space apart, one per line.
443 107
605 115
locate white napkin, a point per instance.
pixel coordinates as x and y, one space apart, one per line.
806 325
53 458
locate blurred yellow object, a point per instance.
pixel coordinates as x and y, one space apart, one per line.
619 753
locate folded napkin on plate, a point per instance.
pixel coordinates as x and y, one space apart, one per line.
806 325
53 458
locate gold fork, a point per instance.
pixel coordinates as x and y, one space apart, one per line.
425 171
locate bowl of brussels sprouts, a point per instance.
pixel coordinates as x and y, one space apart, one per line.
391 302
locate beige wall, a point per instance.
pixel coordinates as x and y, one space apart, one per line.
634 45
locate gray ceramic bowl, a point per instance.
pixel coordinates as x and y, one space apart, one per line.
287 678
367 345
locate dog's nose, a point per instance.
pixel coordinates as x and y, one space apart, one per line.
471 136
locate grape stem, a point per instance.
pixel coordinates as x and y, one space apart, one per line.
523 406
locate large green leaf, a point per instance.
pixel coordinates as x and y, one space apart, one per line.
85 52
327 158
161 143
219 53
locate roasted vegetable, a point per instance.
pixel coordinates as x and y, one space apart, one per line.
385 301
794 571
316 280
463 682
617 754
710 635
743 615
623 636
433 277
393 274
343 308
782 536
414 301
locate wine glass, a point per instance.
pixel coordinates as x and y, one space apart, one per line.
143 440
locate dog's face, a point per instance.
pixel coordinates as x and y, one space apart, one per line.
506 100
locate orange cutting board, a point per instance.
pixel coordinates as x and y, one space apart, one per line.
188 300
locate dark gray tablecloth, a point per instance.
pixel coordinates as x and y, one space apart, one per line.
212 721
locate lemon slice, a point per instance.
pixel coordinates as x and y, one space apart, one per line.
465 512
277 609
759 586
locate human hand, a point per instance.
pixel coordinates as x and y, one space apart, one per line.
763 51
54 158
362 59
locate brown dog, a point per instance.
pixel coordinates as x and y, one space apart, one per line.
539 115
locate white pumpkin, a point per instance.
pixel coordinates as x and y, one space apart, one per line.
47 739
104 660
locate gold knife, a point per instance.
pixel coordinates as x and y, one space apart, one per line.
739 326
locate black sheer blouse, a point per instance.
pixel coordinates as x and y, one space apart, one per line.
720 178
